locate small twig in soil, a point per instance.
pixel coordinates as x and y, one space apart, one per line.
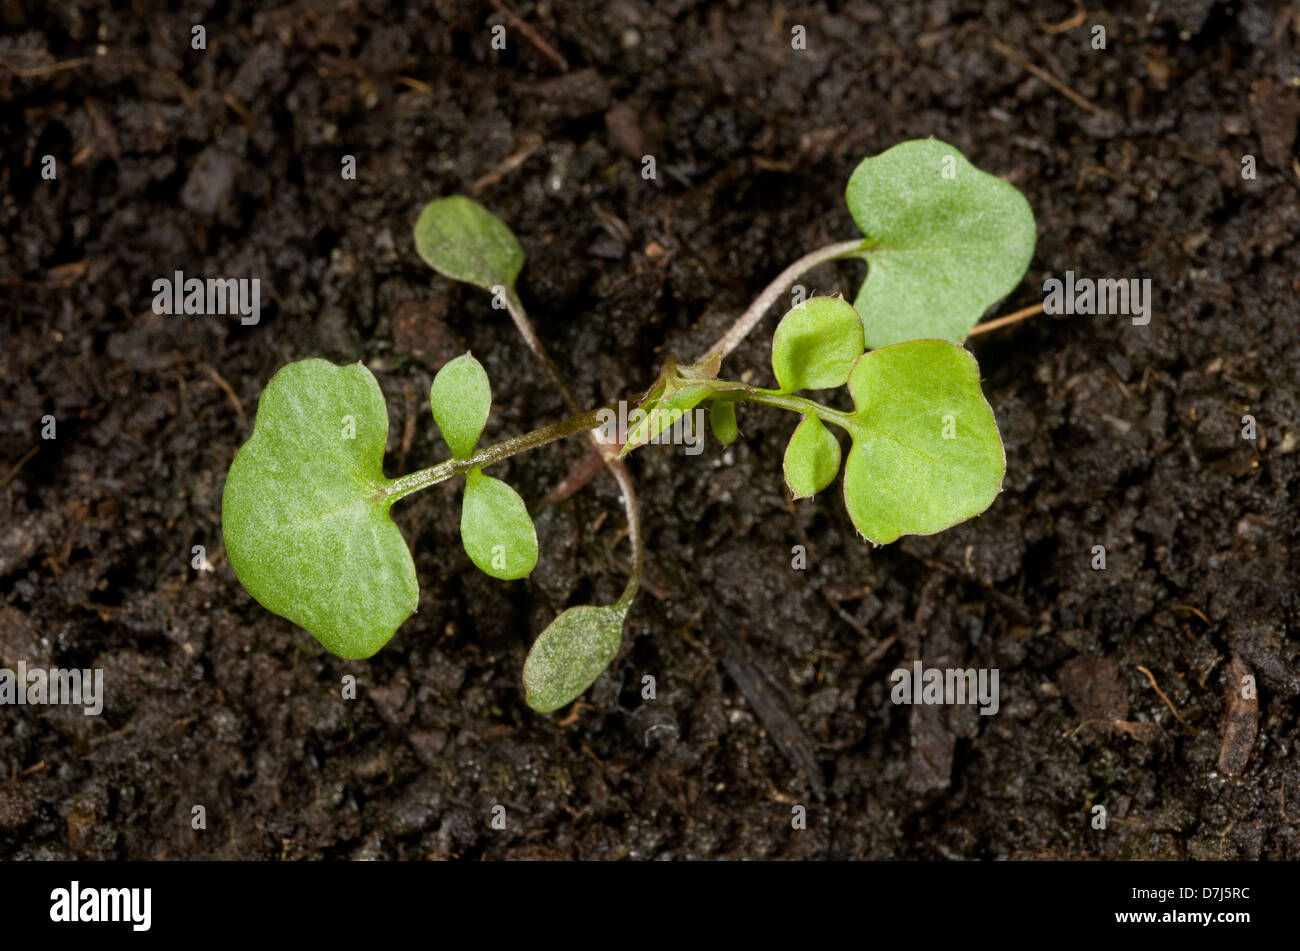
849 619
878 651
1138 730
1082 723
530 34
61 275
1280 796
1192 610
31 72
769 706
582 473
105 128
1080 14
1008 319
574 712
18 466
1017 609
1169 703
230 393
511 162
238 109
596 759
412 83
189 96
1047 77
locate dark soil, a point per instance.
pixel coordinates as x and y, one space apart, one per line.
773 683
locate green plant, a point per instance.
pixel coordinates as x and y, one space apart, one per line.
306 507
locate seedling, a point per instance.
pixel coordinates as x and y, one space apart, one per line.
306 507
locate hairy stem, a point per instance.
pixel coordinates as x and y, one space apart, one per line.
794 404
525 327
399 488
586 422
746 321
608 454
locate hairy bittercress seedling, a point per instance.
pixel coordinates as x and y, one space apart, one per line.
306 507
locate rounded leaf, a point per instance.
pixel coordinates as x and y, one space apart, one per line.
926 452
570 654
461 239
812 458
495 528
460 399
302 526
815 345
945 241
722 420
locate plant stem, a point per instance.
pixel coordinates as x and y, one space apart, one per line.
746 321
799 404
399 488
608 454
585 422
517 313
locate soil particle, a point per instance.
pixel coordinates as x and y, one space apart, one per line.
1240 718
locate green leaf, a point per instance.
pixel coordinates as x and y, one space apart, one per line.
303 529
570 654
812 458
660 415
679 389
461 239
460 398
708 370
926 451
495 528
722 420
945 242
815 345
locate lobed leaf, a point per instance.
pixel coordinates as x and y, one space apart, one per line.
303 529
461 239
815 345
461 398
946 241
495 528
926 452
570 654
812 458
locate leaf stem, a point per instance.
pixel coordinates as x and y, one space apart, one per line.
515 307
746 321
608 454
584 422
415 481
795 404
